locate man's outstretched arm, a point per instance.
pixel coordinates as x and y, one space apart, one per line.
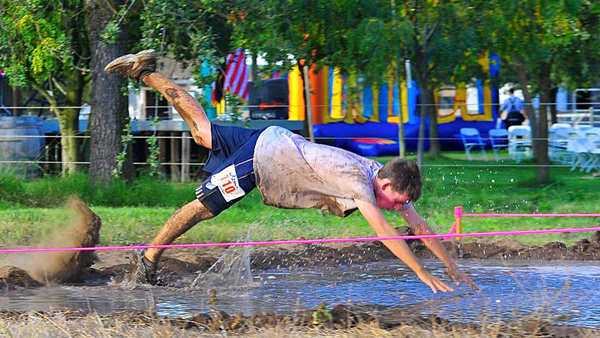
420 227
398 247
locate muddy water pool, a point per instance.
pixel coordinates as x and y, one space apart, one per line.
565 292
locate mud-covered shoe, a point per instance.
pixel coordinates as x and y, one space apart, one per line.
136 66
144 271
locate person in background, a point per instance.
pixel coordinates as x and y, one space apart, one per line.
513 110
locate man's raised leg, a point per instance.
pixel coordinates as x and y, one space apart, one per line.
186 105
142 66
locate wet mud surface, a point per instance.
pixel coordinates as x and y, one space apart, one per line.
116 265
184 262
340 319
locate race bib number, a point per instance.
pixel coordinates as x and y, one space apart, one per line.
228 183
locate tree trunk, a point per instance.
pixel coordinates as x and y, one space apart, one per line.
68 120
421 68
421 141
109 105
401 138
427 107
543 171
434 136
553 117
71 87
524 83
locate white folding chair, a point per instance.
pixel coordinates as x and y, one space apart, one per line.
578 148
593 149
499 140
583 127
472 139
594 156
558 140
519 143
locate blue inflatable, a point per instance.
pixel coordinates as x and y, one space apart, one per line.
381 139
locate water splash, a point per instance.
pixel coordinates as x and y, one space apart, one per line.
231 270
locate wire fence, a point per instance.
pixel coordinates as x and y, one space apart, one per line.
49 155
587 104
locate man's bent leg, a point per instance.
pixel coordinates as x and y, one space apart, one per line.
180 222
186 105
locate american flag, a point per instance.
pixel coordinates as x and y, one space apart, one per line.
236 76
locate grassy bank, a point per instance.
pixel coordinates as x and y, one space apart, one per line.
132 213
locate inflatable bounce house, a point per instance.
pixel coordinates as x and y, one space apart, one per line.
364 119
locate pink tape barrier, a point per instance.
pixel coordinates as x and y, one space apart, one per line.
531 215
303 241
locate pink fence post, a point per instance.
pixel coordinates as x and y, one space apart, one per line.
458 211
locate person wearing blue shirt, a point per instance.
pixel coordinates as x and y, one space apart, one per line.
513 110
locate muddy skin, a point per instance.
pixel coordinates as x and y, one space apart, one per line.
172 93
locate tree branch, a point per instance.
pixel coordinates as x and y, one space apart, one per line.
46 94
449 71
59 86
111 6
432 31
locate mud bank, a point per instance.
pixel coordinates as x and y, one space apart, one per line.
341 320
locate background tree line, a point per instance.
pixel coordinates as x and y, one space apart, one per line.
59 48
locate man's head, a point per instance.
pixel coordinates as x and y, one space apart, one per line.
397 183
511 91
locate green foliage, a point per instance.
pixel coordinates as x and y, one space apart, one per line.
321 315
11 188
153 159
545 34
126 140
54 191
44 46
193 33
37 39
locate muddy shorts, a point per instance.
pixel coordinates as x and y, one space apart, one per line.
230 163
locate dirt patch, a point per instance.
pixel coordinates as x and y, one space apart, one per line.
584 250
12 277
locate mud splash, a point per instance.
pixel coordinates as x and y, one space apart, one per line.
83 230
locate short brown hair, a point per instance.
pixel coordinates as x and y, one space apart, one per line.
405 177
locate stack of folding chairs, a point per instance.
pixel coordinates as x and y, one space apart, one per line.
584 145
578 146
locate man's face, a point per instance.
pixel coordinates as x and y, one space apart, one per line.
388 198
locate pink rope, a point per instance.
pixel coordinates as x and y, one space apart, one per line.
303 241
531 215
453 230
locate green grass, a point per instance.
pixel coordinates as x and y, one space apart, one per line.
133 213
